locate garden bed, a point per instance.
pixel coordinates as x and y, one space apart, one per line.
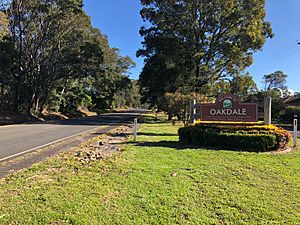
254 138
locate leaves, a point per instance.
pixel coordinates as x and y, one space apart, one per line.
57 60
204 41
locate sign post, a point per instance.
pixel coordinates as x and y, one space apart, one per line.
135 129
268 111
295 131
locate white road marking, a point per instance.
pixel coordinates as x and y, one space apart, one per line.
48 144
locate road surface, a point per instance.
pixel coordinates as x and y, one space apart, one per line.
16 139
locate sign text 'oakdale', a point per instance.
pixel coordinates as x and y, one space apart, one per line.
229 108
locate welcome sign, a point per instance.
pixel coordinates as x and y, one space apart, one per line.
229 108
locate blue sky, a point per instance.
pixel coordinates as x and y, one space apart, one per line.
120 20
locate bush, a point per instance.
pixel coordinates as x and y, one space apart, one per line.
178 104
258 138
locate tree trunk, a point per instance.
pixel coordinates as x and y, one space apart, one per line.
2 97
17 95
31 103
37 101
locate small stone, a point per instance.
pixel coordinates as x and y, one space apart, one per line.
173 174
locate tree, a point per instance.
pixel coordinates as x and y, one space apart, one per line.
54 44
53 59
243 86
275 80
32 26
113 76
178 104
240 85
128 96
193 43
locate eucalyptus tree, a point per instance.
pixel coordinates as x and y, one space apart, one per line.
197 42
53 43
113 76
73 55
53 58
32 24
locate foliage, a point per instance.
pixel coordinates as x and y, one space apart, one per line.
128 96
111 83
275 80
178 104
249 138
290 112
277 100
3 25
240 85
191 44
49 47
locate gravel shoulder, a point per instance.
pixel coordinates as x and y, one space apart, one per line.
86 147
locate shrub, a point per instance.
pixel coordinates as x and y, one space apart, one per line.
258 138
178 104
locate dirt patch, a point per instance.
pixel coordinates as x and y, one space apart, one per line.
282 151
86 112
103 146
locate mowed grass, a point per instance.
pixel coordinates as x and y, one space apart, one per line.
157 181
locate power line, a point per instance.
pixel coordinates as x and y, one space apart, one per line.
287 52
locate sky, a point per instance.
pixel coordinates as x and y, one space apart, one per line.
120 21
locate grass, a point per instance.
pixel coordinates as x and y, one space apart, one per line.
157 181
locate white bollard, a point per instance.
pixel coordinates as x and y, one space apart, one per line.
193 111
135 129
295 132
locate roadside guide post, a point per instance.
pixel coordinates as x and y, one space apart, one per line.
193 111
135 129
295 130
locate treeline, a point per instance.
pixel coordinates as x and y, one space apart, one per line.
52 59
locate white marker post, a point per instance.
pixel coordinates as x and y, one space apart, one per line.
193 111
135 129
295 132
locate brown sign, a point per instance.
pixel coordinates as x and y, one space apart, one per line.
229 108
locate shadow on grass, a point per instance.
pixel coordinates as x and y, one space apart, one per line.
164 144
154 122
180 146
156 134
174 145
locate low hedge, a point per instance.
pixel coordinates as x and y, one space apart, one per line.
258 138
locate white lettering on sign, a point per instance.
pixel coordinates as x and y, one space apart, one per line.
213 112
228 112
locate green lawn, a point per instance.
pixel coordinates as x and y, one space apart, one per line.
157 182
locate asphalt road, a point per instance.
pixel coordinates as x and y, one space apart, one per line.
16 139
